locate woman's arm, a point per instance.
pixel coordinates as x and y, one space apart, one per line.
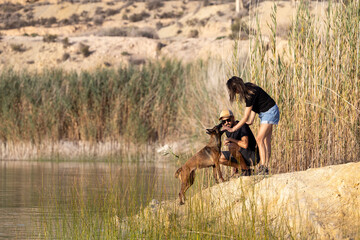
241 122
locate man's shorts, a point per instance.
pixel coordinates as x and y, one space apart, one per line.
251 158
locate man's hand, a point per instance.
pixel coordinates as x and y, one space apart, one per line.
230 140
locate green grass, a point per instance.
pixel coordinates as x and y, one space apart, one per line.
128 212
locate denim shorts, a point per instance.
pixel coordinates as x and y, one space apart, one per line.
271 116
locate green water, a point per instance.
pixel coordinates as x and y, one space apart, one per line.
30 190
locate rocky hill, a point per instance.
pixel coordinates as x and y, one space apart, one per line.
77 35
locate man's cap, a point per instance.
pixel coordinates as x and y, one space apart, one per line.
226 114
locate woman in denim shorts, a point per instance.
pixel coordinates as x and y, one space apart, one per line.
257 101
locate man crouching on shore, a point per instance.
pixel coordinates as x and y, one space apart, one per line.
243 152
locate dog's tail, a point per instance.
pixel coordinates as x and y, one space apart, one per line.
177 173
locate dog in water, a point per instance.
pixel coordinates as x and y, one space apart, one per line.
206 157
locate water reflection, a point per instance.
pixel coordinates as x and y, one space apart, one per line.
23 186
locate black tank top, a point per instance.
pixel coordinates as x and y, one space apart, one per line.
259 100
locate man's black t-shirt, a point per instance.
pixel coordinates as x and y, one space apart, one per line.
244 131
251 154
260 100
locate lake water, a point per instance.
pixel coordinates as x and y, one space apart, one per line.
24 185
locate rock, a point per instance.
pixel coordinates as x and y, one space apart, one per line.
322 202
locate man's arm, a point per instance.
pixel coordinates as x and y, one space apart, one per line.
243 143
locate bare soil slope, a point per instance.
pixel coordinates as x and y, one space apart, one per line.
77 35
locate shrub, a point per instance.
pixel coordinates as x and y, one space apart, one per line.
154 4
111 12
98 19
130 32
124 53
10 7
74 18
171 14
84 49
137 17
115 31
147 32
64 22
50 21
194 33
239 30
192 22
84 14
159 25
65 57
50 38
220 13
204 21
99 10
65 42
29 15
17 47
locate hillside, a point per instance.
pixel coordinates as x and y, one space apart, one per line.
88 34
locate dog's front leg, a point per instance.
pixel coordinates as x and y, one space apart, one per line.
215 174
182 194
218 170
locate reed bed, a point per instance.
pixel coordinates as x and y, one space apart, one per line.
102 105
315 81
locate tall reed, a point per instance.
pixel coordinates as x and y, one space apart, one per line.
315 81
136 104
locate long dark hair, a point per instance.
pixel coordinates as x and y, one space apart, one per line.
235 86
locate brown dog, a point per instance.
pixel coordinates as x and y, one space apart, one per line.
206 157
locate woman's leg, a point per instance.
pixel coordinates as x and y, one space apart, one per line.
268 145
263 141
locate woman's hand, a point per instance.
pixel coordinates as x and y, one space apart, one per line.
226 128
